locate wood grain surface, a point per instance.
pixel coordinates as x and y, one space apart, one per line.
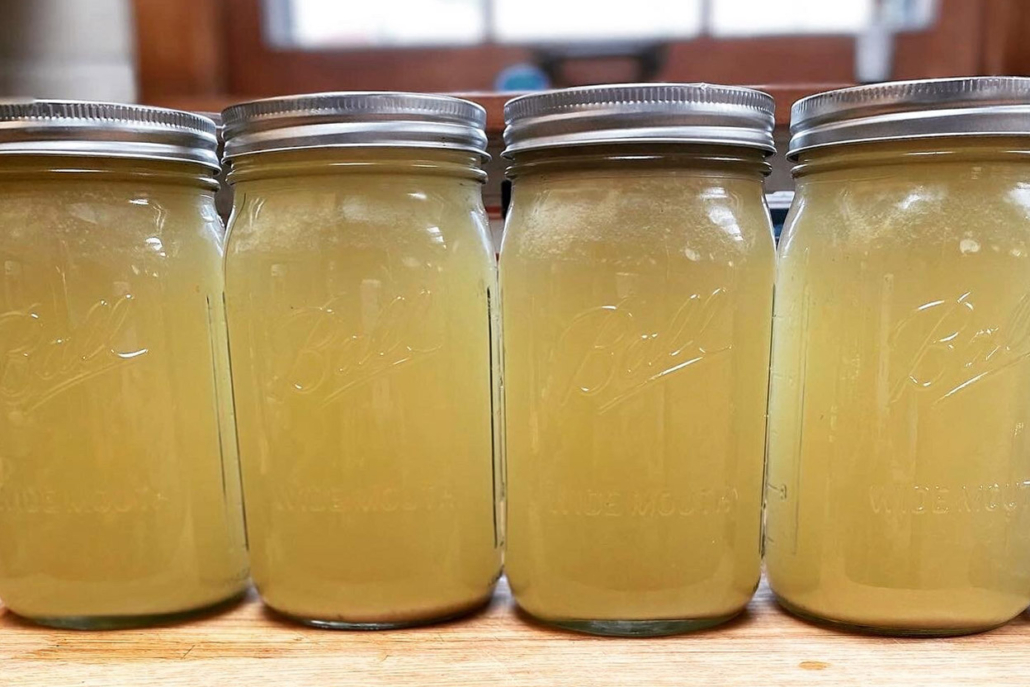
248 647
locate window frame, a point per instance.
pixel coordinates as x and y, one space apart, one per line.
951 47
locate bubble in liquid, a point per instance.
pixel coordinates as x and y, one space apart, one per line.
969 246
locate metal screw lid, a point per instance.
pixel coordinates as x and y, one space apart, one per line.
347 120
640 113
905 110
113 130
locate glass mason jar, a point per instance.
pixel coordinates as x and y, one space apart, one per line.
119 482
899 464
360 286
637 273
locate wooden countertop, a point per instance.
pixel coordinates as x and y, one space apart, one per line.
247 647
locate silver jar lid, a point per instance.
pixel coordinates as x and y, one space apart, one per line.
640 113
113 130
906 110
348 120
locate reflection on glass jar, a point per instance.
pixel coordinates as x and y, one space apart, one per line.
637 279
119 484
361 286
899 471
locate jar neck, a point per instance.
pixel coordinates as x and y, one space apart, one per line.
704 159
337 161
59 167
967 150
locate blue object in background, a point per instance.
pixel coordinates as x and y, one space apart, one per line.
522 77
779 204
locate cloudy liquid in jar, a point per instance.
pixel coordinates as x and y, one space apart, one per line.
361 325
899 465
636 321
119 484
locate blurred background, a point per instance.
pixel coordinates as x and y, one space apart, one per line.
205 54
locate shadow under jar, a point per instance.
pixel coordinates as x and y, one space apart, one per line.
637 273
119 483
360 286
899 464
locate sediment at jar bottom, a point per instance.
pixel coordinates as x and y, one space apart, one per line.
136 620
331 613
939 617
632 617
636 628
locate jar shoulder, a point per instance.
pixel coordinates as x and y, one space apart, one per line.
358 214
669 217
910 206
109 223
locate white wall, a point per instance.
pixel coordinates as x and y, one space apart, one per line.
78 49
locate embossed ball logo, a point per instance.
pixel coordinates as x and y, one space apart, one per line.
332 349
41 357
608 353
